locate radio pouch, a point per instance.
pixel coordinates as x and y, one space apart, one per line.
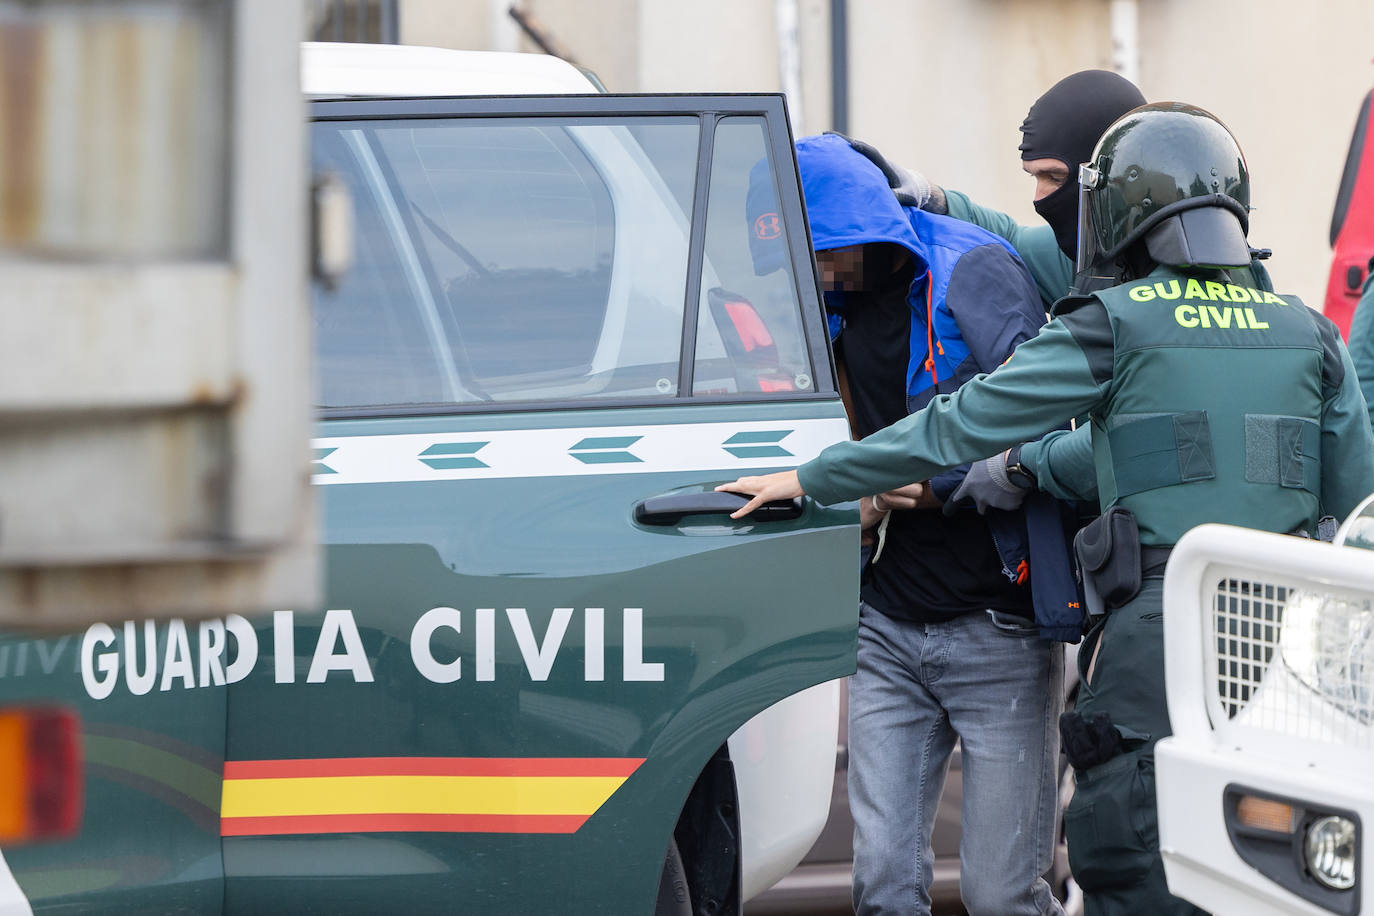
1108 553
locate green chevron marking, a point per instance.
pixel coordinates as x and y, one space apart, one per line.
605 450
764 435
466 449
605 442
606 458
760 451
318 466
751 444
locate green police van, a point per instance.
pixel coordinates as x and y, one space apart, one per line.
551 675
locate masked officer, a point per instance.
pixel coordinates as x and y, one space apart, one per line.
1210 401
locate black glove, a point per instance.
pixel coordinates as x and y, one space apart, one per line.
1089 742
988 486
912 189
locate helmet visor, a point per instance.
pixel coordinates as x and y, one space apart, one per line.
1088 251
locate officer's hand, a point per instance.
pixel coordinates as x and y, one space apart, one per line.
911 188
782 485
988 486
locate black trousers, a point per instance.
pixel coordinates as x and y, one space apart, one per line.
1112 824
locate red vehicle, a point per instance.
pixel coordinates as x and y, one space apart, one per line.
1352 226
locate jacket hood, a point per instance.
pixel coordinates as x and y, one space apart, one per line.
848 202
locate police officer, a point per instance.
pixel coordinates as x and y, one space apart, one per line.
1210 401
1362 340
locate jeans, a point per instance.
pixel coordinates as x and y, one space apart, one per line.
988 680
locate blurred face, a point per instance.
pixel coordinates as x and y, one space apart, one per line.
1050 175
841 268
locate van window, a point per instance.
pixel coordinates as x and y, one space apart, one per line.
506 259
749 335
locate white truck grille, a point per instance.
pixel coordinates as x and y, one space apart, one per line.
1294 658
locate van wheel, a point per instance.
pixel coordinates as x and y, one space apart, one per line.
674 897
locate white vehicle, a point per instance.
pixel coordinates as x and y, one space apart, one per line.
1266 788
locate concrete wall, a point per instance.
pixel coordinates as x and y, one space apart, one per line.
1287 78
942 85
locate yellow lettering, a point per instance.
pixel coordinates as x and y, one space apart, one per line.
1255 322
1238 293
1194 290
1240 318
1216 291
1271 299
1221 316
1173 291
1142 293
1186 315
1202 317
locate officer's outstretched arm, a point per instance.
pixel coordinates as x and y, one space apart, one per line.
1063 372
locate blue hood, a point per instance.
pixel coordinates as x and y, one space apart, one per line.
848 202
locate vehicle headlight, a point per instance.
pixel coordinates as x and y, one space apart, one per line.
1327 643
1329 849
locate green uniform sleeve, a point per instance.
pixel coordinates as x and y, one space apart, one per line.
1053 273
1362 345
1062 463
1053 376
1347 445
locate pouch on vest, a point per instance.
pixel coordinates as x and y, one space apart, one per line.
1108 553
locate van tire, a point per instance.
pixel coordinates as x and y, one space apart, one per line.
674 897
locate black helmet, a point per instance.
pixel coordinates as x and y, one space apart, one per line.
1170 174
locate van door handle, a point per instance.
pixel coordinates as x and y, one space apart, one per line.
674 507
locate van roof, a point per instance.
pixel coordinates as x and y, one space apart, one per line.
348 69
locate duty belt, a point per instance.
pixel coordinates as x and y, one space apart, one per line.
1153 560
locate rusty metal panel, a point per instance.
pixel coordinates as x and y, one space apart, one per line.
47 598
163 479
155 385
117 336
113 126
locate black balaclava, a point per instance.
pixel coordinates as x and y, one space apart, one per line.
1065 124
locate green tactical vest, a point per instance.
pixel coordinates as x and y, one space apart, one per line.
1214 409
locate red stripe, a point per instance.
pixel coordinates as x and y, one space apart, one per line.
431 766
401 823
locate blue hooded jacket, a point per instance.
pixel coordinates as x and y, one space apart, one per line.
972 301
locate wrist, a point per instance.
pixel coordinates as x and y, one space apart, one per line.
1018 473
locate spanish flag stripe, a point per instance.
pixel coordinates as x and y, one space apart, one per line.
432 766
417 795
401 823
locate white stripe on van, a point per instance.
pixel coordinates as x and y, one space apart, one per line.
730 448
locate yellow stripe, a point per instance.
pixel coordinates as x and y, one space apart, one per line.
417 795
